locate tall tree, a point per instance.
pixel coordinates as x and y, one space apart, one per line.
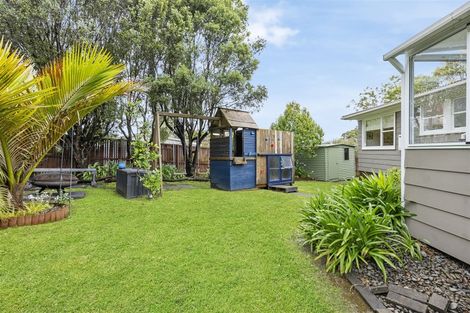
208 62
307 133
44 30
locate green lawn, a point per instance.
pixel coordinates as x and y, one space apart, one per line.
195 250
312 187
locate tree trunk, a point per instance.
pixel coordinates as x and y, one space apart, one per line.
80 155
188 160
17 196
196 157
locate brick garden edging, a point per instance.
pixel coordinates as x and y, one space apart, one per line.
402 297
55 214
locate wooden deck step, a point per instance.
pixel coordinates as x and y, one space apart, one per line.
283 188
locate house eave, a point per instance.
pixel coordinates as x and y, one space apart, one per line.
394 106
453 22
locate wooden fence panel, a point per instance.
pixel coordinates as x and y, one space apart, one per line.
116 150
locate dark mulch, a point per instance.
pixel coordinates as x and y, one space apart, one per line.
436 273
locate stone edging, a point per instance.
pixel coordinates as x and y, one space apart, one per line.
56 214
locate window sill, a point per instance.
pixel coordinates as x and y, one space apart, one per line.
379 148
442 132
452 145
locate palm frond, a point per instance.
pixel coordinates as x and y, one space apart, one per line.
84 79
37 109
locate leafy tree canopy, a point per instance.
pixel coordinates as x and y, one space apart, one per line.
390 91
307 133
349 137
208 62
195 55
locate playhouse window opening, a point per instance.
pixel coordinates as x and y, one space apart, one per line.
346 154
238 143
219 133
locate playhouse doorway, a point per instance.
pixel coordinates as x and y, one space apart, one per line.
280 168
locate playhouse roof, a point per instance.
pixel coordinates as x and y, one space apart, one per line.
234 119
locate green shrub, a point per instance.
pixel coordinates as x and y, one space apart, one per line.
152 181
360 222
143 153
108 169
170 172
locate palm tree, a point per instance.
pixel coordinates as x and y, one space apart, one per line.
38 108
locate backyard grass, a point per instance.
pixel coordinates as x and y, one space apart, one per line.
195 250
312 187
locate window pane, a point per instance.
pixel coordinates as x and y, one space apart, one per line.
273 174
286 162
460 120
437 113
433 123
431 109
387 122
274 162
388 138
373 124
286 173
459 105
373 138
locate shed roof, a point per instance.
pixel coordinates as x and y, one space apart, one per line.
328 145
234 119
451 23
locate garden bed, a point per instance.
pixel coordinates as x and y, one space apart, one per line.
436 273
54 214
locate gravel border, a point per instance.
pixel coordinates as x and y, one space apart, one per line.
436 273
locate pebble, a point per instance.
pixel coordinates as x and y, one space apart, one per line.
436 272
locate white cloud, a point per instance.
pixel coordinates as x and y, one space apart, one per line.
266 23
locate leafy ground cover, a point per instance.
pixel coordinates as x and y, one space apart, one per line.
195 250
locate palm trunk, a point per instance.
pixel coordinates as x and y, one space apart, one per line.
17 196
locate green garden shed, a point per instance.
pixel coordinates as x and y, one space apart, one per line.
332 162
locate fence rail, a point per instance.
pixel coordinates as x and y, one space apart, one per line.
116 150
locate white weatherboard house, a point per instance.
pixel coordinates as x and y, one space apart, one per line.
433 150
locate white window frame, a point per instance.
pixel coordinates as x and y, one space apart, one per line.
459 129
408 102
381 147
448 116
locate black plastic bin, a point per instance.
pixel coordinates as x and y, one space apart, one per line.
128 183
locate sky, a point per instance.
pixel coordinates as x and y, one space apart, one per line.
323 53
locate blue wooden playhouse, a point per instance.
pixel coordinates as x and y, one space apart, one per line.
245 157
